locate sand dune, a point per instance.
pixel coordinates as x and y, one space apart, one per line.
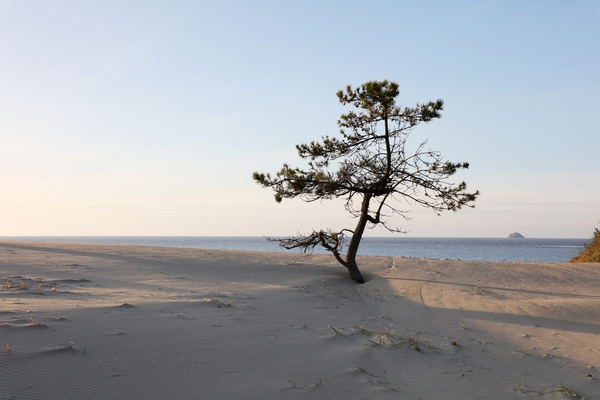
124 322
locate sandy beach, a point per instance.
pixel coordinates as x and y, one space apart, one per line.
82 321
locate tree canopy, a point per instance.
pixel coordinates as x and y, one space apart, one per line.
369 167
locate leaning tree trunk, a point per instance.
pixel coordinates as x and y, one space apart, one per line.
354 272
355 241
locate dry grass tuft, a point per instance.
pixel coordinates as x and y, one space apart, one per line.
336 331
563 388
390 338
570 391
418 344
37 323
385 339
478 290
382 339
220 302
591 252
363 330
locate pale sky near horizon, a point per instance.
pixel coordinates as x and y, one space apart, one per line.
149 117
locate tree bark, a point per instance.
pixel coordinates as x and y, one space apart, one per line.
355 241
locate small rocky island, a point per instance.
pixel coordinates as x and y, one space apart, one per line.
516 235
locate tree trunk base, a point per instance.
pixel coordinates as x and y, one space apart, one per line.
355 274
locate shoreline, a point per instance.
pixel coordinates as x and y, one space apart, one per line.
460 249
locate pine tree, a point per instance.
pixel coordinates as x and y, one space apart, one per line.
369 167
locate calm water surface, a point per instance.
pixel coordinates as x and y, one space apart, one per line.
474 249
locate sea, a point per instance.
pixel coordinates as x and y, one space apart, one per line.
473 249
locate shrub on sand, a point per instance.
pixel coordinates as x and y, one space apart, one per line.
591 252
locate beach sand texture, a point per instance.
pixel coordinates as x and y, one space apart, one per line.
82 321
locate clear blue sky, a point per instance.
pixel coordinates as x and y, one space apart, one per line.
149 117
